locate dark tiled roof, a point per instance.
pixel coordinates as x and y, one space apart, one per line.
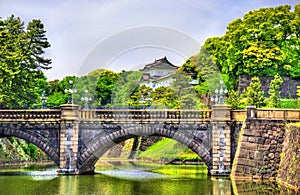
159 63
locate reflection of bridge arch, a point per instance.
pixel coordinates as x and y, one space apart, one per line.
101 143
35 137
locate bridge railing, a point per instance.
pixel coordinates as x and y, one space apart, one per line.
30 114
145 114
238 115
286 114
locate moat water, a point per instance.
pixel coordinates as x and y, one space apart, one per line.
128 178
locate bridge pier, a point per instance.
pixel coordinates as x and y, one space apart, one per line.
68 135
221 148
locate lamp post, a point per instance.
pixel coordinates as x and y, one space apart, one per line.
219 96
44 100
71 91
86 99
149 99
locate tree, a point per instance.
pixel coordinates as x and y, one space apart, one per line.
124 87
263 43
274 92
21 59
234 100
57 96
254 94
138 97
105 85
186 94
165 97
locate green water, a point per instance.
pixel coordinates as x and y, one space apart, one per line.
127 178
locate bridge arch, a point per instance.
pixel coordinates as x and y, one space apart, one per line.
89 156
20 132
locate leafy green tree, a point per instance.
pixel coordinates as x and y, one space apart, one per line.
274 92
190 67
22 59
264 42
124 87
189 101
105 85
86 88
254 94
234 100
138 97
165 97
184 91
57 96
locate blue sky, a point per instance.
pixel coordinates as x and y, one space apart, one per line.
90 34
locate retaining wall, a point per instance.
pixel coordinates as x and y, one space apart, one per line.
289 169
258 152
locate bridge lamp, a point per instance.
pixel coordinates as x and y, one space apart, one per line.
71 91
219 96
86 99
44 100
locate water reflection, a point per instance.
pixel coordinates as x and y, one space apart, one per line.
129 179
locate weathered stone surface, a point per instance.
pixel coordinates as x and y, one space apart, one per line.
252 139
271 155
289 166
261 142
249 146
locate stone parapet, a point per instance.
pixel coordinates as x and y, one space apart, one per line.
69 112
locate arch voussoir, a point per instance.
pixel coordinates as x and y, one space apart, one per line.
99 145
43 144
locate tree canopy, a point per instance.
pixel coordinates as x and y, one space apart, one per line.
263 43
21 61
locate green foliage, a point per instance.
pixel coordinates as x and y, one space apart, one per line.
169 149
11 139
186 94
289 104
254 94
274 92
263 43
105 86
165 97
189 101
138 97
125 87
234 100
22 59
57 96
298 94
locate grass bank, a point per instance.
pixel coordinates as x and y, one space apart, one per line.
168 151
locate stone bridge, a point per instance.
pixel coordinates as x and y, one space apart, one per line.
75 139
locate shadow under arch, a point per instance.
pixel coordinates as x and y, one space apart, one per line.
34 139
101 144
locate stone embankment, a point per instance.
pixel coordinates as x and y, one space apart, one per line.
258 154
289 169
268 149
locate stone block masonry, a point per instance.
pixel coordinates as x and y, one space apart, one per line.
287 89
258 154
289 169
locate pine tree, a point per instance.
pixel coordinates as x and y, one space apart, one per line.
254 93
274 92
